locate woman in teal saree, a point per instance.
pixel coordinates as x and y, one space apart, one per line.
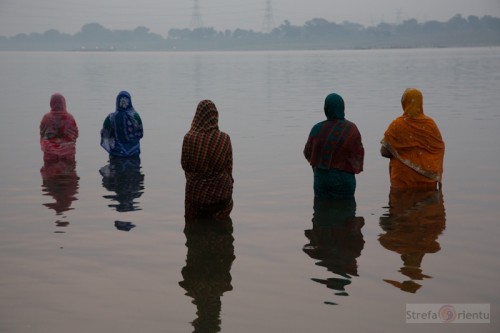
335 152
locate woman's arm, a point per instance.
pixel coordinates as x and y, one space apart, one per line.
385 152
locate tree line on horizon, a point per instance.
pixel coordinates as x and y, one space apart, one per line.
317 34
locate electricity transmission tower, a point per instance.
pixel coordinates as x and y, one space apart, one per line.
268 25
196 21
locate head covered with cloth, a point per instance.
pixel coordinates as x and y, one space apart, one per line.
414 145
58 131
207 161
335 152
122 130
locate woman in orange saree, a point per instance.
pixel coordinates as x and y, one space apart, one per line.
414 145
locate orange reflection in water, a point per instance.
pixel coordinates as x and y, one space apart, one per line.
412 227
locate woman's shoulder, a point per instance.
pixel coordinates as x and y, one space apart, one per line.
70 115
225 135
107 120
349 122
350 125
320 124
46 116
137 116
398 120
317 127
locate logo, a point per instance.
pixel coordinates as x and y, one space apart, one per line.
448 313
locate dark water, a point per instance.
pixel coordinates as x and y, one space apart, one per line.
96 247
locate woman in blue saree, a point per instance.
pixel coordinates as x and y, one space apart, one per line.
122 130
335 152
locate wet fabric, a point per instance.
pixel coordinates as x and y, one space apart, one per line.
416 145
207 161
333 183
58 131
122 130
335 151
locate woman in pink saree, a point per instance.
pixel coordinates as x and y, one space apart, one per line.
58 131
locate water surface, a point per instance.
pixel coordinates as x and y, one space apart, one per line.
68 267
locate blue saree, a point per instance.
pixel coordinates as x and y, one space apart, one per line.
122 130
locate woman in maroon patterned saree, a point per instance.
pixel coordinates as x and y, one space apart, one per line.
207 160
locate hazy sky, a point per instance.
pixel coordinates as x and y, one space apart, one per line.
25 16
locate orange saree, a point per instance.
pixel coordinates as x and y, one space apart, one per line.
416 146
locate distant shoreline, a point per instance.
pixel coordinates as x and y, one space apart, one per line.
316 34
102 51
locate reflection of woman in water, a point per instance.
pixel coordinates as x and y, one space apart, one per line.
60 181
124 177
412 227
336 240
206 276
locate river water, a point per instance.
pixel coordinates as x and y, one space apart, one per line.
86 249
